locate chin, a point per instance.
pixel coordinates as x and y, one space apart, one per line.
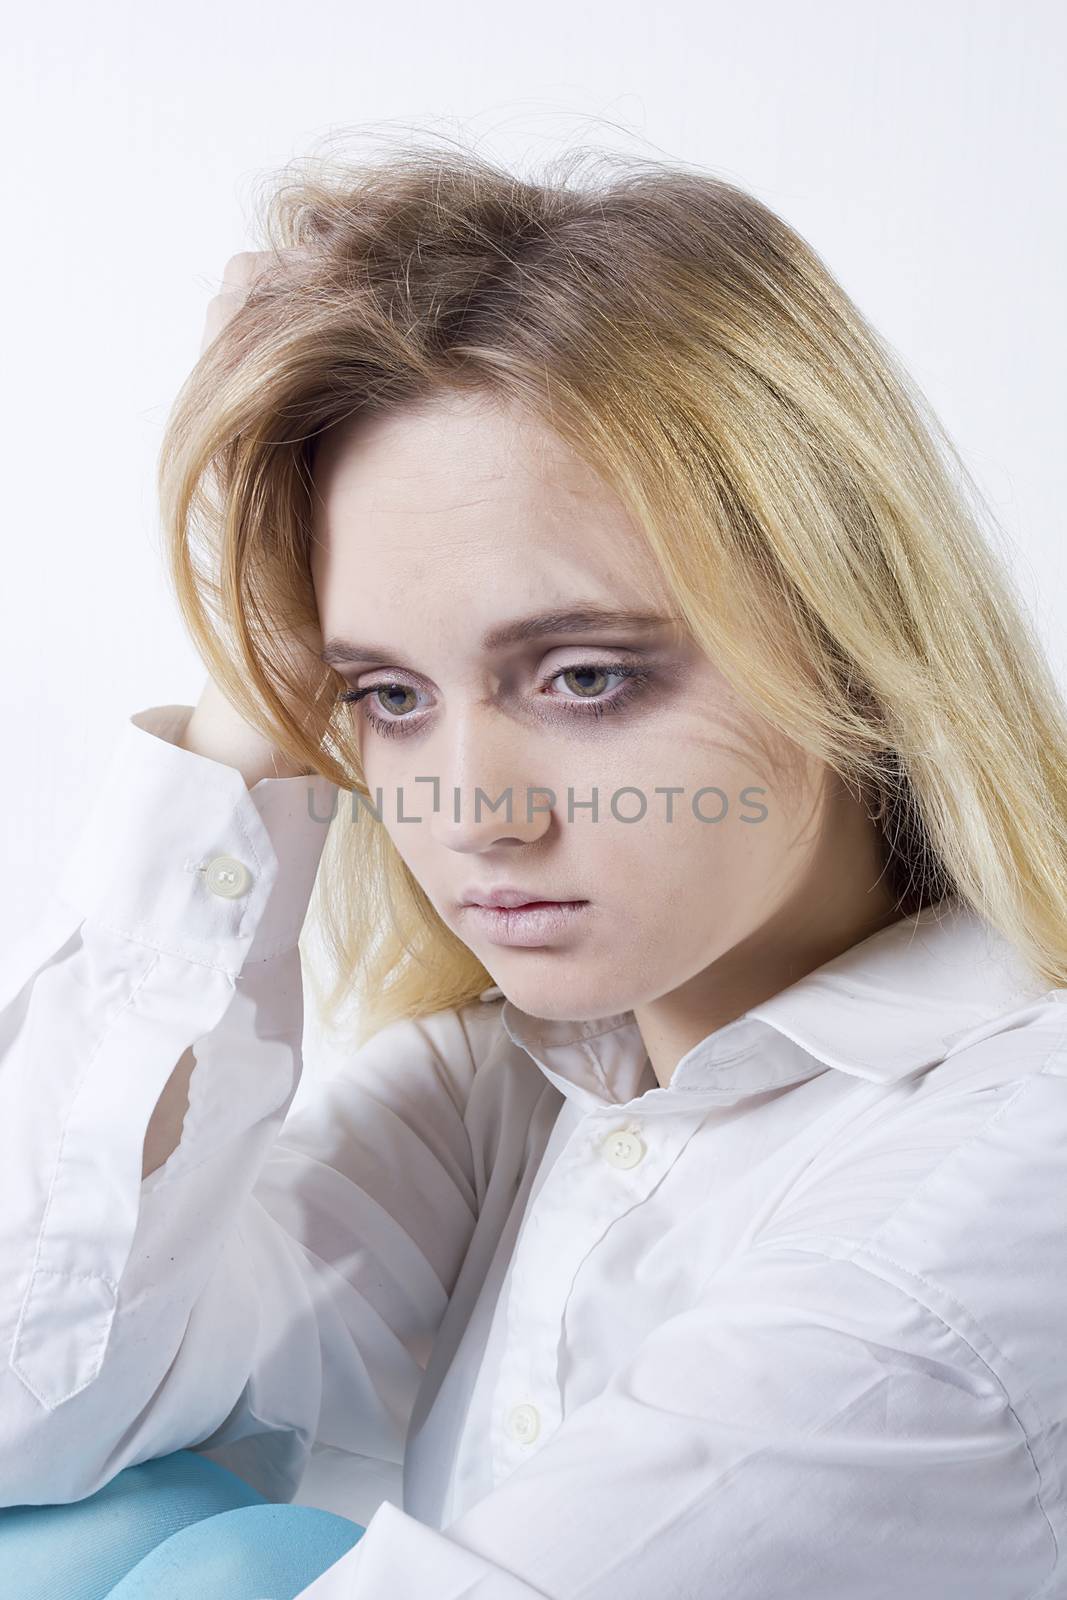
556 1003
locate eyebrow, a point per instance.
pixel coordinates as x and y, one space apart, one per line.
348 652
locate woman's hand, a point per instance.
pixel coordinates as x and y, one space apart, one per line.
217 730
238 277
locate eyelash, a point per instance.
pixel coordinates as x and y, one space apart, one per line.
635 678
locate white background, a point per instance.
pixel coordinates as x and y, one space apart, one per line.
920 147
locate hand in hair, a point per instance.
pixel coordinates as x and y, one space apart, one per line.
217 729
238 278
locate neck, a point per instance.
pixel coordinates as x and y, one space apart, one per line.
840 899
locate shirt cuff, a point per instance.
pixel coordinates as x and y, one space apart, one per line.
176 852
405 1559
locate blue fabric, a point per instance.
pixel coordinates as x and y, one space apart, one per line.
165 1530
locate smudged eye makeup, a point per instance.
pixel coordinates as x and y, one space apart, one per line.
588 702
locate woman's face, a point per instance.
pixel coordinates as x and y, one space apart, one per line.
439 528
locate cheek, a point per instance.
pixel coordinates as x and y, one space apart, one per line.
728 828
391 766
687 767
412 843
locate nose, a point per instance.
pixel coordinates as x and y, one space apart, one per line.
488 793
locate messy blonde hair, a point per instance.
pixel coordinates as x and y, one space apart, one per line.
814 525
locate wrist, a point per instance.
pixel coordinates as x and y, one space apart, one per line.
237 745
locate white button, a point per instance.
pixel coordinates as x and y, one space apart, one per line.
623 1149
228 876
524 1423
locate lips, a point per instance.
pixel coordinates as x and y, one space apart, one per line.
533 924
509 899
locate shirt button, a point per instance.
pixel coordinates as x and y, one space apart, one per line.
228 877
524 1423
623 1149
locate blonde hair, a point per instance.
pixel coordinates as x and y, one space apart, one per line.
814 524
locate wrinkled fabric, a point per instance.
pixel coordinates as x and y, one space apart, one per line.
792 1325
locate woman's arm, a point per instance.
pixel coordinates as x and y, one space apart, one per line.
264 1286
217 731
809 1430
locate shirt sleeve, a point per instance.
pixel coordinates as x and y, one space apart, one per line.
808 1429
269 1285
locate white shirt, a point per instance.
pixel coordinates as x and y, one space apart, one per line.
792 1328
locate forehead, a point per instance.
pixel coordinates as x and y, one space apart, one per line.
418 456
472 494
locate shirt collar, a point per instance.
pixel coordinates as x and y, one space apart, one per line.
897 1002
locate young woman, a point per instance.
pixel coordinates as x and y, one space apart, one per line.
686 1218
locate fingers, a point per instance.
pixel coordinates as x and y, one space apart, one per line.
239 275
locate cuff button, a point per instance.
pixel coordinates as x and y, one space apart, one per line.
227 876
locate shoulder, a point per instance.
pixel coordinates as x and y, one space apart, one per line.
950 1143
951 1187
462 1043
986 1210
